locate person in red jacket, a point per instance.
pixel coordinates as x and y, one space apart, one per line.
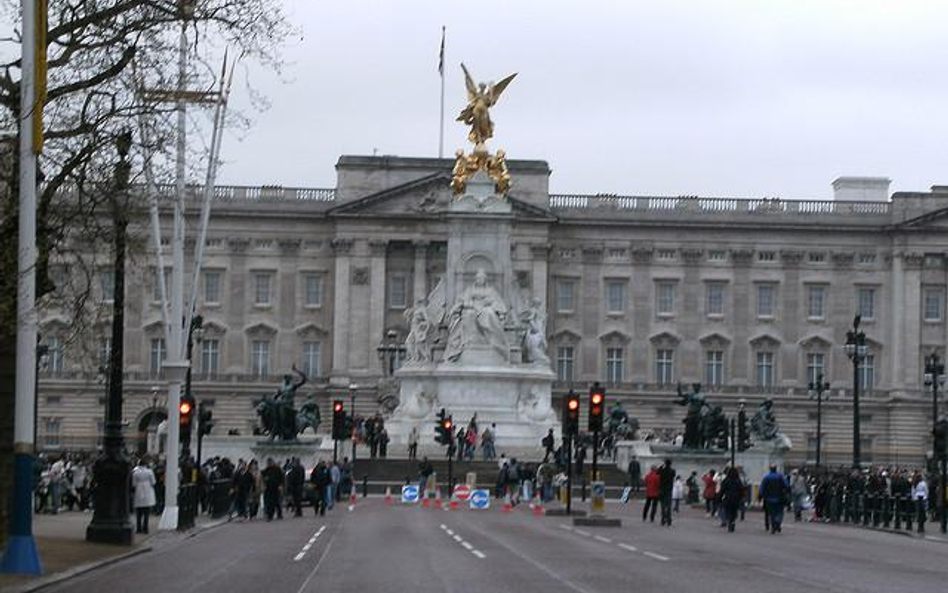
710 491
652 492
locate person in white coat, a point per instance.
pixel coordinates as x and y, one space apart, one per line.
920 496
143 483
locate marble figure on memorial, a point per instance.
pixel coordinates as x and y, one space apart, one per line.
417 348
477 320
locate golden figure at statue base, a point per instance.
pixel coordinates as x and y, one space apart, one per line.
465 166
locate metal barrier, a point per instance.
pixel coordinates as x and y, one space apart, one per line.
187 506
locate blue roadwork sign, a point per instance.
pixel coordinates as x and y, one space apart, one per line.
480 499
409 494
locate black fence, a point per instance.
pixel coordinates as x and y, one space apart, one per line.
899 512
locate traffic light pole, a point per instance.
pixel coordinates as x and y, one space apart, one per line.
569 474
450 470
733 442
944 494
595 473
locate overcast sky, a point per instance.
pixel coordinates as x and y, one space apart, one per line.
715 98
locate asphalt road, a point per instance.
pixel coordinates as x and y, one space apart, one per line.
380 548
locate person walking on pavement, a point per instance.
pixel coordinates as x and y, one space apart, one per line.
798 492
241 485
143 482
678 492
709 493
635 474
413 443
424 472
920 496
294 479
549 443
732 496
272 489
335 484
256 489
666 477
322 485
487 443
653 485
773 492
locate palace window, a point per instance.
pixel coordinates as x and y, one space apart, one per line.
210 357
311 358
212 287
564 363
55 352
866 303
867 373
715 299
765 369
313 290
766 300
397 291
815 301
665 298
614 365
261 288
934 303
260 358
815 367
107 285
615 296
714 367
564 295
665 366
157 357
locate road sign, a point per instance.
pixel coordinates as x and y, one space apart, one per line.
409 494
480 500
626 493
598 497
462 492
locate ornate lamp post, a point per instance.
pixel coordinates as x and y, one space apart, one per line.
352 412
935 376
389 351
856 350
817 389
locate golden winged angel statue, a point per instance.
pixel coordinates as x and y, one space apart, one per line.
480 98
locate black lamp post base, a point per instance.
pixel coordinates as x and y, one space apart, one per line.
110 524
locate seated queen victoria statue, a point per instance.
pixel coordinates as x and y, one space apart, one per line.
476 321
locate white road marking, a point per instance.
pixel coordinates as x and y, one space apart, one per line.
566 527
628 547
308 544
351 507
656 556
582 533
467 546
604 540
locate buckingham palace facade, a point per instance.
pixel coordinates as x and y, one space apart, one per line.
750 297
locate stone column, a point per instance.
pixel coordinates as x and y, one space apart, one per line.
377 301
342 249
235 355
910 309
419 278
897 339
540 255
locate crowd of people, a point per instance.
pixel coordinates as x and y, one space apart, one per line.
62 481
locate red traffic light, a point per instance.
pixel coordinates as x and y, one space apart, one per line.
337 407
447 424
597 398
184 408
573 403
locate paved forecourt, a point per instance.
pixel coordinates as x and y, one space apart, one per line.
394 547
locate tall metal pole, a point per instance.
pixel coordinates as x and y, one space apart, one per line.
175 367
21 555
819 421
857 440
569 474
441 118
733 442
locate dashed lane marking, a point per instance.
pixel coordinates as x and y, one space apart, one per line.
309 544
466 545
604 540
582 533
628 547
566 527
656 556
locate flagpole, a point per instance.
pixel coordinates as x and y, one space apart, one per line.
441 120
21 556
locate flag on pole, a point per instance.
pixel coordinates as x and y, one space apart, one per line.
441 55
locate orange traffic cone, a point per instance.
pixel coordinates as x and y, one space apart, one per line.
388 496
352 495
437 501
425 502
454 504
537 506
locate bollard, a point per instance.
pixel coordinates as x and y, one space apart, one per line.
584 489
897 510
365 486
886 511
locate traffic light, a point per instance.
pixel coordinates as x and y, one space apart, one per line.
571 414
597 405
743 435
185 418
205 422
338 421
941 439
443 431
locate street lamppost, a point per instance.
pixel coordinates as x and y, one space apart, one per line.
817 389
195 332
352 411
389 352
935 376
856 350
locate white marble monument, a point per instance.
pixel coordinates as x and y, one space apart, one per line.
477 345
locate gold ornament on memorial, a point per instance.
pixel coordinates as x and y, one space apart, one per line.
480 98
